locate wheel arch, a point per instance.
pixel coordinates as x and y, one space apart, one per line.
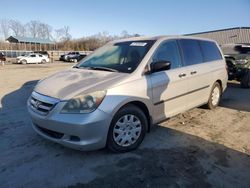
220 83
142 106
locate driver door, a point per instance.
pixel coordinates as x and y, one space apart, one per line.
169 87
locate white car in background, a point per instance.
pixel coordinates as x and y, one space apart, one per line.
32 58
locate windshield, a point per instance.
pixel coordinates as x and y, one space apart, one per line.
120 57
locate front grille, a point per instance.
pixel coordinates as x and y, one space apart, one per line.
42 104
50 133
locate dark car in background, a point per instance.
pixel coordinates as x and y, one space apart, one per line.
238 62
69 56
72 57
2 57
77 58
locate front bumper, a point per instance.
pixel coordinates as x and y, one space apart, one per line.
77 131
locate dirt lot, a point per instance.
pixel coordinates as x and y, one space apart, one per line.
199 148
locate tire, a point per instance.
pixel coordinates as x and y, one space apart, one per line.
245 81
24 62
124 137
214 97
43 61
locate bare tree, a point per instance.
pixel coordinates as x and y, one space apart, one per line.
17 28
124 34
63 34
33 27
57 35
44 31
5 28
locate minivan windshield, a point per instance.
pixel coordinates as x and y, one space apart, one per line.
117 57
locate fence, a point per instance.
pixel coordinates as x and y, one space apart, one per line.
52 54
27 46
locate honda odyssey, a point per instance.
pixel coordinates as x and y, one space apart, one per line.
113 96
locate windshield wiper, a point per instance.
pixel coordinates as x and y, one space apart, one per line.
81 67
96 68
104 68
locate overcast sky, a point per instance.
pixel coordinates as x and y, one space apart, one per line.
155 17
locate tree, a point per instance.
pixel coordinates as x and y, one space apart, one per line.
63 34
17 28
124 34
45 31
33 27
5 28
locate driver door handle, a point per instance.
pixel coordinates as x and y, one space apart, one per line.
193 72
182 75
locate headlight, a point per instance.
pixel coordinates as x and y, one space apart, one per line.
85 103
241 61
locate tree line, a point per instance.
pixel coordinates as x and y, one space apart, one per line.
92 42
61 36
34 29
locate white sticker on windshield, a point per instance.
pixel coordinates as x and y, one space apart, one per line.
138 44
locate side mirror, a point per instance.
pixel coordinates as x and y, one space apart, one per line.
160 66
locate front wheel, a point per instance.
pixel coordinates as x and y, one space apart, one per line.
127 129
24 62
214 97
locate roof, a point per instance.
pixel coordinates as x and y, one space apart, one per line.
20 39
233 28
143 38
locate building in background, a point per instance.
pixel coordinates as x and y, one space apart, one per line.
227 36
28 43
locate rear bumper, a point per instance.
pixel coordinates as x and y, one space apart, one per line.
77 131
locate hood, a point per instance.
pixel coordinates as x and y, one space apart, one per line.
69 83
238 56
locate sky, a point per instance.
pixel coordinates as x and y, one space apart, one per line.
145 17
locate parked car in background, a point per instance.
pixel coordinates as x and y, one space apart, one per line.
45 53
68 56
2 57
238 63
115 94
32 58
77 58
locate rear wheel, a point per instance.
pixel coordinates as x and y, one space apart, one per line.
214 97
127 129
245 81
43 61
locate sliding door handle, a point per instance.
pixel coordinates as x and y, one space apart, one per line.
193 72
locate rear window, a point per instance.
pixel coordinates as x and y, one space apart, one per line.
191 51
210 51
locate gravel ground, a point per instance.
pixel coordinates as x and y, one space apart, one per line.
199 148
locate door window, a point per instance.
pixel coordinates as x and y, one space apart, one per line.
191 51
210 51
168 51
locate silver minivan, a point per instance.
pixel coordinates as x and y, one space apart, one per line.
113 96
